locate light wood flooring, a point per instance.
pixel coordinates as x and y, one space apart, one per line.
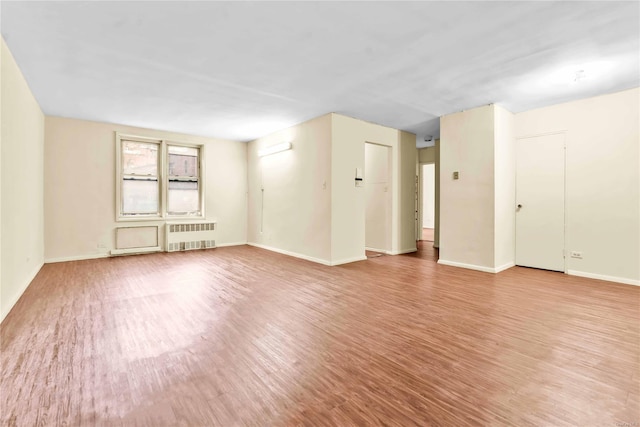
241 336
427 234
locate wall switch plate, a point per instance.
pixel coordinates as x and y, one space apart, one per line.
576 254
456 175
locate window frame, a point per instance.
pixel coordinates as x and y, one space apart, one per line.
163 179
200 180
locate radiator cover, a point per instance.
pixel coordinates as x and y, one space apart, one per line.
185 236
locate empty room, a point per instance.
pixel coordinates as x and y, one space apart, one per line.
319 213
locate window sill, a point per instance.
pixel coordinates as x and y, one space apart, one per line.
162 218
183 218
138 219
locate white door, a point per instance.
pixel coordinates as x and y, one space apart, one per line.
428 195
377 197
540 202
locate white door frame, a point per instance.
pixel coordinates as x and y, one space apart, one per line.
419 203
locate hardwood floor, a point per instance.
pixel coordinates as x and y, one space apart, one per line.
428 234
243 336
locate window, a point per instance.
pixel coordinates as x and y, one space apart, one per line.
145 190
183 190
140 178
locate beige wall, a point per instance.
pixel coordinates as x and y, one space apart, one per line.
602 180
296 218
312 207
79 200
505 189
348 203
407 189
602 195
467 208
21 170
296 215
427 155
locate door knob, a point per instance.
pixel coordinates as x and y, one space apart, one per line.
519 206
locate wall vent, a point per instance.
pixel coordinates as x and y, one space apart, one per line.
182 236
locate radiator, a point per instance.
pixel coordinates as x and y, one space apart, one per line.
184 236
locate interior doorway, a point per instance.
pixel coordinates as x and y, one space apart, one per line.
377 179
428 201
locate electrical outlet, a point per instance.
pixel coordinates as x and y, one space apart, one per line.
576 254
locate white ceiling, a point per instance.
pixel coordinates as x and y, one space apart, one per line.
240 70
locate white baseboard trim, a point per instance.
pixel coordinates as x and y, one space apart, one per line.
306 257
604 277
400 252
348 260
122 252
403 251
382 251
23 288
504 267
467 266
223 245
289 253
75 258
132 251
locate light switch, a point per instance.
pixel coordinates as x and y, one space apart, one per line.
456 175
358 177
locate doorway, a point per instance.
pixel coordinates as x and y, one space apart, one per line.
428 201
540 193
377 170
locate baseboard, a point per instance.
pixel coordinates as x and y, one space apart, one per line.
289 253
467 266
382 251
504 267
400 252
122 252
132 251
604 277
403 251
348 260
223 245
75 258
23 288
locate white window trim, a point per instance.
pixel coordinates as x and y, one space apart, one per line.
163 179
201 179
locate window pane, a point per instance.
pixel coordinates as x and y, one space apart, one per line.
183 161
139 197
139 158
183 197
